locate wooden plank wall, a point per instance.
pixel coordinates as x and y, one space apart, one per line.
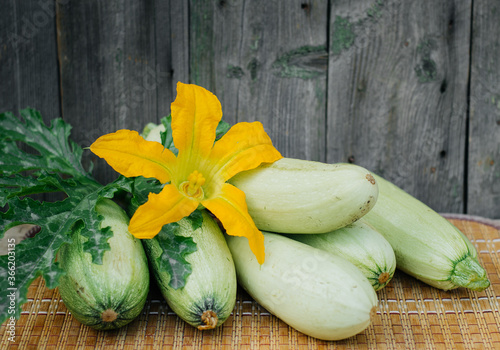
28 58
29 75
394 85
410 90
483 166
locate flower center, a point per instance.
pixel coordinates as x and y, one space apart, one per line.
192 187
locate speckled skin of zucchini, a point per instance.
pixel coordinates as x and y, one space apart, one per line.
110 295
209 295
426 245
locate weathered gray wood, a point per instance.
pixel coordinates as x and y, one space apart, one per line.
484 136
172 50
381 83
28 62
265 61
397 93
109 70
28 58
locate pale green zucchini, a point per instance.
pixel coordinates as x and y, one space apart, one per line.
317 293
360 244
209 295
110 295
152 132
427 246
299 196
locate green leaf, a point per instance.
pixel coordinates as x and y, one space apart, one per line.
196 219
34 256
175 248
18 185
51 273
56 152
83 195
97 237
222 128
166 136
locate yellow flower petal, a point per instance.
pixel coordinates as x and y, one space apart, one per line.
163 208
129 154
195 115
231 209
245 146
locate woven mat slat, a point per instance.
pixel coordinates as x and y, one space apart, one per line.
411 315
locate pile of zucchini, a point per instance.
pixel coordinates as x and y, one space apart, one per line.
334 235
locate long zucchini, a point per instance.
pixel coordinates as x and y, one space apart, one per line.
300 196
360 244
319 294
209 295
427 246
110 295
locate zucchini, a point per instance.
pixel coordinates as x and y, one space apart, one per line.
110 295
360 244
209 295
427 246
299 196
152 132
319 294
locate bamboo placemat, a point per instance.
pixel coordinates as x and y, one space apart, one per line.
411 315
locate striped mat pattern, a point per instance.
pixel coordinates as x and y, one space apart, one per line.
411 315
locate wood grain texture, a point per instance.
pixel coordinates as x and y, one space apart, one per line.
397 93
172 50
265 61
109 72
484 135
28 58
401 88
28 62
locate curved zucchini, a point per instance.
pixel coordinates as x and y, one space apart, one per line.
427 246
110 295
360 244
319 294
209 295
299 196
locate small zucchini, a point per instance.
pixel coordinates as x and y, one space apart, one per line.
427 246
360 244
319 294
209 295
299 196
110 295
